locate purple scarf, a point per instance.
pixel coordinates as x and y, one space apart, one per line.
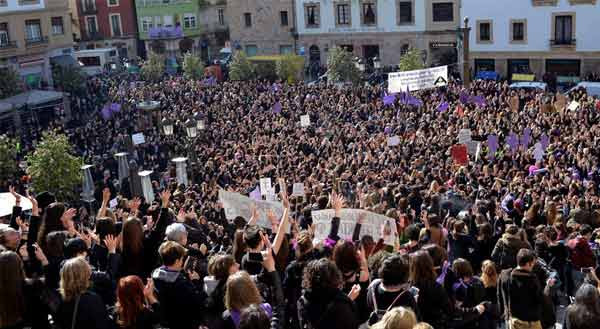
235 315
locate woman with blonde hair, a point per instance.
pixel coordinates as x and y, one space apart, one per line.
397 318
489 277
80 307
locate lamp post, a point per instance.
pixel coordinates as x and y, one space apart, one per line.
199 120
167 126
466 68
376 63
191 129
361 65
87 188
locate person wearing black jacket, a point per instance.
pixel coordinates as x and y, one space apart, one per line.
293 276
180 293
323 305
521 294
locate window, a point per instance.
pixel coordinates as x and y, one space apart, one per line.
369 15
221 14
563 29
115 24
4 39
348 48
112 3
168 21
404 49
146 23
251 50
405 12
3 3
312 15
33 30
484 31
189 21
518 31
57 25
286 50
88 5
343 14
247 19
158 21
91 25
443 12
283 15
89 60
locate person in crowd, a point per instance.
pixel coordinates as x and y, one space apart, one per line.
581 254
506 249
137 306
80 307
585 312
397 318
489 278
323 304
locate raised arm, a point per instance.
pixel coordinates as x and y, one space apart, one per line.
105 200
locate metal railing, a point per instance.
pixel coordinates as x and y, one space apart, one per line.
562 42
36 41
91 36
8 45
88 11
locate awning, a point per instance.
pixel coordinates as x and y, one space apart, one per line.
31 98
64 60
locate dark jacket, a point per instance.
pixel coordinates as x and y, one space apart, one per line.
183 300
330 309
293 286
521 294
147 319
91 313
384 299
506 249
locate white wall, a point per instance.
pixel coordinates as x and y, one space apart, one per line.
13 5
539 24
386 18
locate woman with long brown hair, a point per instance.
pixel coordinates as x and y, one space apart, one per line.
20 302
132 249
56 218
137 306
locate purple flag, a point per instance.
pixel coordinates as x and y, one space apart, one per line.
477 100
443 107
277 107
526 138
513 142
115 107
389 99
463 97
492 141
545 141
106 113
255 194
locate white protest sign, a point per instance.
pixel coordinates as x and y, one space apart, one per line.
265 185
7 202
371 226
236 205
305 120
418 79
573 106
393 141
538 152
464 136
138 138
298 189
472 147
113 203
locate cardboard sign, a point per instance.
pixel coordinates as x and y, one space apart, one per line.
112 204
538 152
298 189
305 120
514 103
561 102
393 141
417 79
371 226
138 138
460 154
265 185
236 205
464 136
7 202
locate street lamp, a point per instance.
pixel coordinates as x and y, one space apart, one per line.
167 125
376 63
199 121
361 65
424 56
190 128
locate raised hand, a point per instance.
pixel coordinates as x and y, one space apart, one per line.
355 292
39 254
16 195
111 243
165 195
149 292
35 210
283 193
268 260
105 195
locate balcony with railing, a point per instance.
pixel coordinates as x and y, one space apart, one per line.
89 10
564 42
6 45
151 3
91 36
158 33
37 41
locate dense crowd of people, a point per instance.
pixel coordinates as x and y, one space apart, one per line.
504 239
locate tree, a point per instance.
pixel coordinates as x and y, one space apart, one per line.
53 168
154 68
341 66
411 61
289 68
8 158
240 67
69 79
193 68
10 83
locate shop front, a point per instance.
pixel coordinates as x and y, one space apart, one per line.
518 66
32 71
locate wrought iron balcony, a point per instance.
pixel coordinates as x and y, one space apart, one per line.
8 45
36 41
562 42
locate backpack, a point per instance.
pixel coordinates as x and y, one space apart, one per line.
377 313
507 257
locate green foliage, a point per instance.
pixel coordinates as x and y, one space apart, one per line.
264 70
411 61
69 79
8 158
53 168
240 67
154 68
10 83
289 68
193 68
341 66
